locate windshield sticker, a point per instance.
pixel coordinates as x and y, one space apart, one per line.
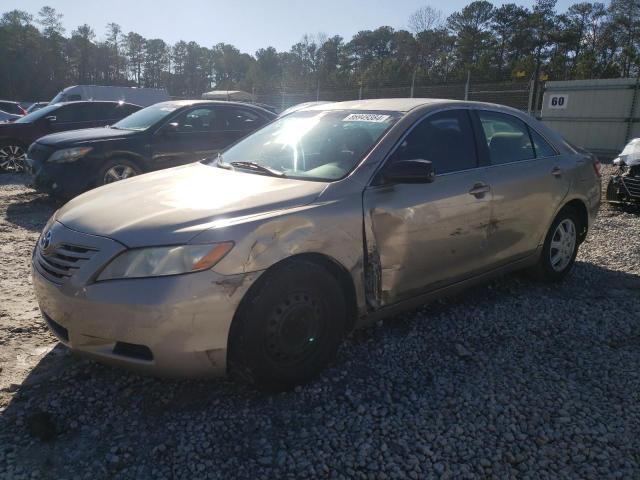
366 117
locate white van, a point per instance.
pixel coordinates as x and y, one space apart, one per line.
138 96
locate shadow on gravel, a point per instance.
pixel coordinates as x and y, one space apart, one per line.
623 207
14 179
514 363
30 210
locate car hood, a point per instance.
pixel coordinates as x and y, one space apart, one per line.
85 135
172 206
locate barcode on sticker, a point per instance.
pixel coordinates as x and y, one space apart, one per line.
365 117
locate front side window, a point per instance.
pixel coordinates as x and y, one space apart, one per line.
445 139
311 145
240 119
71 113
507 138
197 120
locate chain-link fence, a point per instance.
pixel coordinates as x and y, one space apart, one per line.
514 94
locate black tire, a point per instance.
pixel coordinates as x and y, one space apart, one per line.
289 327
546 269
12 157
114 165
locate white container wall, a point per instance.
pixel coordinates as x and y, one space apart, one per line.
599 115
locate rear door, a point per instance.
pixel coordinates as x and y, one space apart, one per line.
528 179
424 236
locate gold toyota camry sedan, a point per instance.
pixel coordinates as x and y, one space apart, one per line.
259 261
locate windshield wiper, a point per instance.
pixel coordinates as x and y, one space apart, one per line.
254 166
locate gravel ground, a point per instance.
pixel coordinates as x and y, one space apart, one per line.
514 378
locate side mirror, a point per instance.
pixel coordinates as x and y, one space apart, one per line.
170 128
409 171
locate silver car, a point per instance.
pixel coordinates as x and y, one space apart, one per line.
260 261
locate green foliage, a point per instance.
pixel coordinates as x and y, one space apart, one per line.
509 42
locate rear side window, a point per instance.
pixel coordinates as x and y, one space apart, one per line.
542 148
116 111
240 119
445 138
507 138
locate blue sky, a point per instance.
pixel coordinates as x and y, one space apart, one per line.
247 24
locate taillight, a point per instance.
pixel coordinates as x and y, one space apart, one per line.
597 166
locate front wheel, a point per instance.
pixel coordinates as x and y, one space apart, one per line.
560 247
116 170
12 158
288 328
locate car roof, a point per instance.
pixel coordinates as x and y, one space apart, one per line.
398 104
189 103
76 102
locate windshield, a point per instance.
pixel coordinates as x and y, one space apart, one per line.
313 145
145 118
38 114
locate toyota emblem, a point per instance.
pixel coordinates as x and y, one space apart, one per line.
45 241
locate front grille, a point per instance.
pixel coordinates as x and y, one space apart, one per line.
62 260
631 185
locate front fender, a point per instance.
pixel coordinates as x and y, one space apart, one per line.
332 229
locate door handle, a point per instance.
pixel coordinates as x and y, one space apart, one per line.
479 189
556 172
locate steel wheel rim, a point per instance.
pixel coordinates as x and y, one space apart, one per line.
12 158
118 172
294 329
563 244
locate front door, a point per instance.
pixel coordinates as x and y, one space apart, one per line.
75 116
191 136
423 236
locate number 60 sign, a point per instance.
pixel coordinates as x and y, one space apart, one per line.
558 101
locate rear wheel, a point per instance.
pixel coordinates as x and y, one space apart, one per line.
560 246
12 158
288 328
116 170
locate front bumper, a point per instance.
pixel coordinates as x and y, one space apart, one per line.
623 189
170 326
64 180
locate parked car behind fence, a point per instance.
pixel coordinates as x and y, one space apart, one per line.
136 95
13 108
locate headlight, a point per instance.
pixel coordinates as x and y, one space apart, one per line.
161 261
69 154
